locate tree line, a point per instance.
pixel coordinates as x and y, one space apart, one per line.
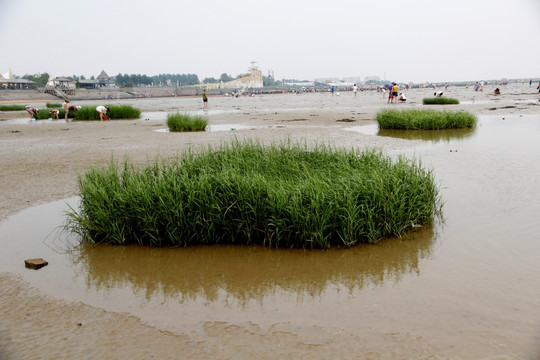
132 80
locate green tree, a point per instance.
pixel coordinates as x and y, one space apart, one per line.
38 79
210 80
226 77
269 81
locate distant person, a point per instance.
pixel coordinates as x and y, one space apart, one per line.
395 89
390 98
402 98
332 89
32 112
383 91
355 89
102 110
530 83
497 91
205 98
65 105
438 93
54 113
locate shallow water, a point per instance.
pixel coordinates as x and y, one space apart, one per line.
468 284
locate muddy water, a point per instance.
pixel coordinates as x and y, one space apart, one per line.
467 286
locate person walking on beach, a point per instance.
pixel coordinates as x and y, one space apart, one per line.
102 110
65 105
205 98
32 112
355 89
332 89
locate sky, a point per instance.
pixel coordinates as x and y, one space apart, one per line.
396 40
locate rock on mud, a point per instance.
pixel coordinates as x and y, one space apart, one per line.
35 264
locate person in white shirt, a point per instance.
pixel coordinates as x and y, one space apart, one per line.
402 97
355 89
102 110
438 94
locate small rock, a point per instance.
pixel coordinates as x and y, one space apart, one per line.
35 264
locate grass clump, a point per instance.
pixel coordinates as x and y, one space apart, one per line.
245 193
44 114
53 105
425 119
12 107
440 101
186 122
116 112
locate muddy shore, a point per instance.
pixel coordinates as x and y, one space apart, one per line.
40 161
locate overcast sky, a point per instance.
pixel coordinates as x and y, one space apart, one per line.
406 40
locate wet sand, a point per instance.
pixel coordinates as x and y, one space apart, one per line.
39 163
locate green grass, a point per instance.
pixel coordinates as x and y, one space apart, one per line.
440 101
43 114
282 195
425 119
90 113
54 105
123 112
12 107
186 122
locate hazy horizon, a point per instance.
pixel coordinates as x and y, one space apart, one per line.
395 40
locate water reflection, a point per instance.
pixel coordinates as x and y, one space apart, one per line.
249 273
434 136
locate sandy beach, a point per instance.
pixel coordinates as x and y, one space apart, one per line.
39 164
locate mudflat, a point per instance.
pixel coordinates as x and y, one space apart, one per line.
40 161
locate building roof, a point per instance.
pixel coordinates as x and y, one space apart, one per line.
103 75
8 75
60 78
16 81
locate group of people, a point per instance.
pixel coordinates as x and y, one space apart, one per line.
102 111
394 94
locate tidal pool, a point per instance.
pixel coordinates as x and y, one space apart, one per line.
466 285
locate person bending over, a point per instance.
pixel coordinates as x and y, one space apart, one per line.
32 112
54 113
102 110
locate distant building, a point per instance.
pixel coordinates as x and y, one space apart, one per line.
372 78
347 81
7 76
16 84
61 83
326 80
102 80
252 79
8 81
